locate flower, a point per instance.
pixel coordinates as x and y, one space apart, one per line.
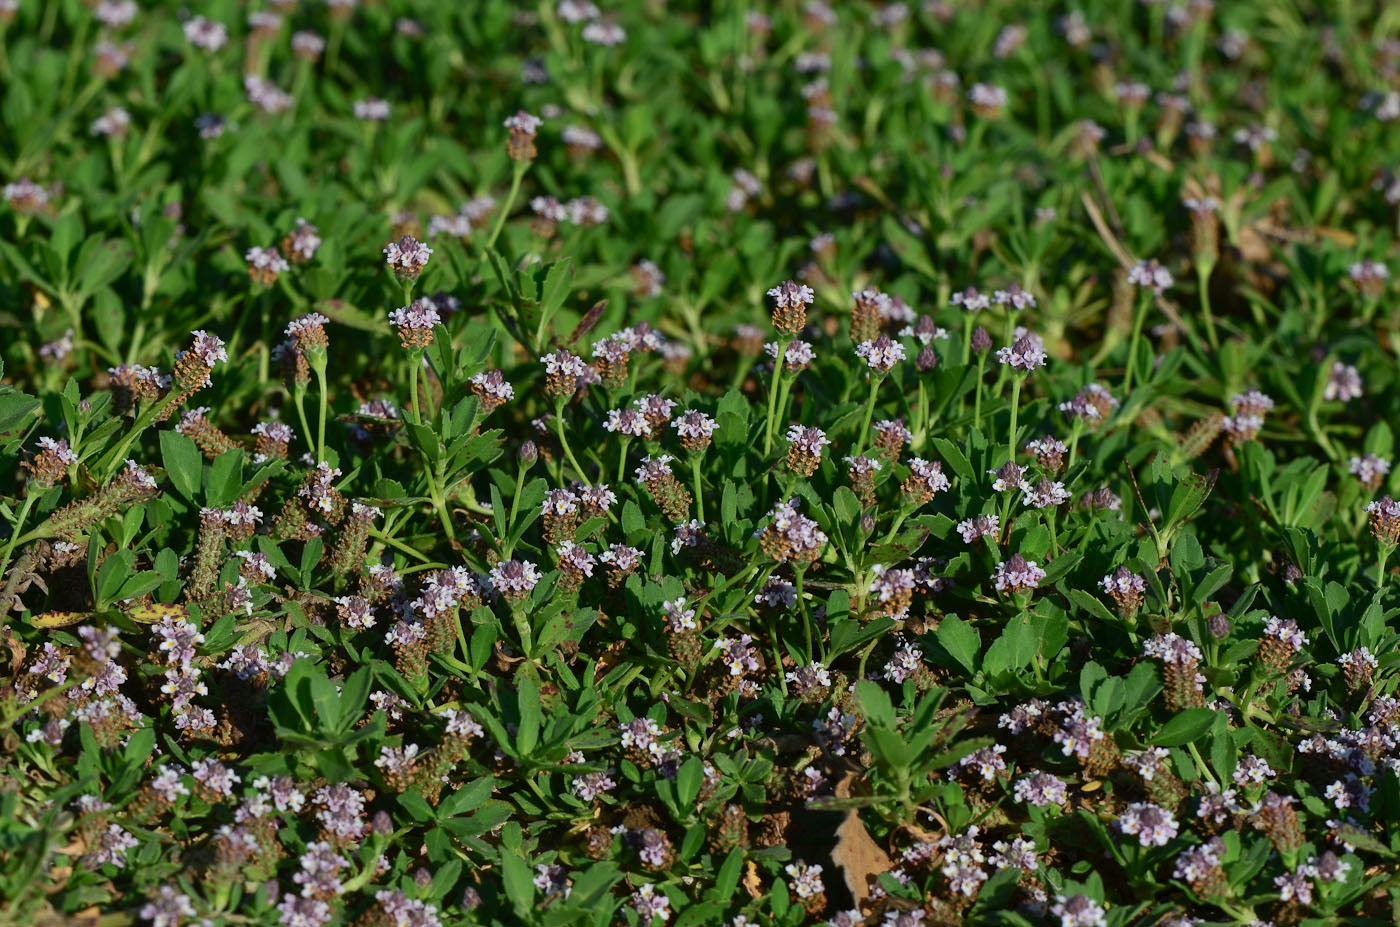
1150 275
603 33
1017 574
1343 384
881 354
407 257
113 123
206 34
371 109
415 322
1026 353
514 579
1152 824
1078 911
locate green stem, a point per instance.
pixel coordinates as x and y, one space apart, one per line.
564 441
400 546
415 361
1138 318
773 397
1015 408
806 617
507 545
108 463
981 377
516 175
875 379
321 422
1203 269
622 460
1075 430
15 533
299 400
522 627
699 493
439 503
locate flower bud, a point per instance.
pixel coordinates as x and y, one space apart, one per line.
1219 626
527 455
981 340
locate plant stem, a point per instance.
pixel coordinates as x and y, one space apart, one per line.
321 422
981 377
15 533
773 397
1203 269
1015 408
516 175
699 494
622 459
107 464
1138 318
564 441
806 618
415 361
299 400
875 379
522 627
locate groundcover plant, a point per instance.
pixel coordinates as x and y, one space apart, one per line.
869 464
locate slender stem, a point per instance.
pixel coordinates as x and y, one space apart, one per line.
981 377
516 175
400 546
699 493
1075 431
110 459
1138 318
875 379
321 422
773 397
299 400
507 546
622 460
778 654
522 627
564 441
806 617
15 533
435 492
1380 565
1015 408
898 523
1203 269
415 361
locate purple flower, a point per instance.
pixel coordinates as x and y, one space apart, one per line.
1150 275
1152 824
514 579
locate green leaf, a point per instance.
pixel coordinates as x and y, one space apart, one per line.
225 478
112 574
1185 727
528 701
875 704
516 879
183 463
961 641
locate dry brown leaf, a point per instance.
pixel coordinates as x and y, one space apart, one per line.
751 881
1253 247
858 856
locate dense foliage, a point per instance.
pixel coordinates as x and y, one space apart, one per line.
470 463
